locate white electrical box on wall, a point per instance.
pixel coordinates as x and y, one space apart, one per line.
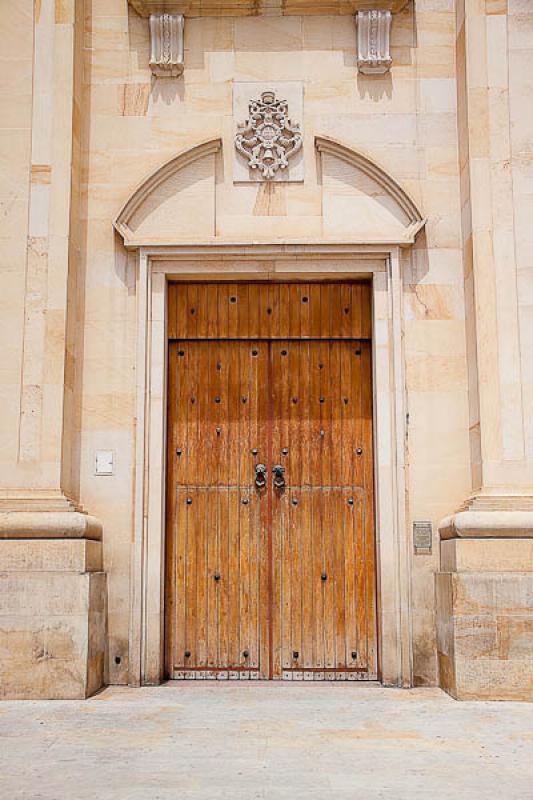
104 462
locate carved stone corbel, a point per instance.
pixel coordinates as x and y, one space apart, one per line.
373 42
166 45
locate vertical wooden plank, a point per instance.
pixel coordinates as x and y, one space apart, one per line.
264 316
325 312
350 513
329 583
262 571
181 311
324 400
192 311
171 310
202 312
347 407
348 510
284 311
282 449
170 538
260 592
233 311
212 310
294 469
185 442
179 620
231 410
231 588
190 509
243 307
315 295
202 500
253 311
286 582
294 311
357 400
245 467
246 638
203 415
304 406
360 583
206 434
250 599
223 310
318 585
335 310
277 373
303 298
370 545
339 577
360 579
306 578
296 576
355 322
316 441
334 400
234 415
223 568
347 309
274 306
366 310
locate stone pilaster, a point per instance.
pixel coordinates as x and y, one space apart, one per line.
53 597
485 587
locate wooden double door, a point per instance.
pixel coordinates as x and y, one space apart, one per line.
270 553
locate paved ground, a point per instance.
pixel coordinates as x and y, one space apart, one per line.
206 741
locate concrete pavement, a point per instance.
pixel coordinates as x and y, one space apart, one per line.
261 741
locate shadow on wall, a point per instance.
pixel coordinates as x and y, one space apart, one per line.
373 87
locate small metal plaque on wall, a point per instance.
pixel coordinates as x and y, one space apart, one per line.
422 536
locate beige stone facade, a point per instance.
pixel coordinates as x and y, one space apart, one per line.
115 180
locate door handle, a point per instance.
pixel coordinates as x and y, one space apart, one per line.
260 476
278 470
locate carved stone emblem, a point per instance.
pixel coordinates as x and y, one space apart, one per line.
268 138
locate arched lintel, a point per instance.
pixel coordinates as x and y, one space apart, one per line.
160 175
324 144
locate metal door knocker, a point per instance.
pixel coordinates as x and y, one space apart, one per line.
260 476
279 476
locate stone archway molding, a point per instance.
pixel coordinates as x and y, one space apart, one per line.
157 178
407 220
324 144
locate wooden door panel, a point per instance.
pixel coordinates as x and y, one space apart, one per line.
323 545
217 544
269 311
271 583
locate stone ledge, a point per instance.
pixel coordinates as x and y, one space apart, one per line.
49 525
487 524
243 8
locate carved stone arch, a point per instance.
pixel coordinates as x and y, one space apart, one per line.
351 199
361 198
178 195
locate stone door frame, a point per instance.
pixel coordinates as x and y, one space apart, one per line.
155 267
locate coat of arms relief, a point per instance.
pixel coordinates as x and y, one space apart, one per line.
268 138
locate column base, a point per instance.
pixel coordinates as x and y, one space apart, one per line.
484 599
53 606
